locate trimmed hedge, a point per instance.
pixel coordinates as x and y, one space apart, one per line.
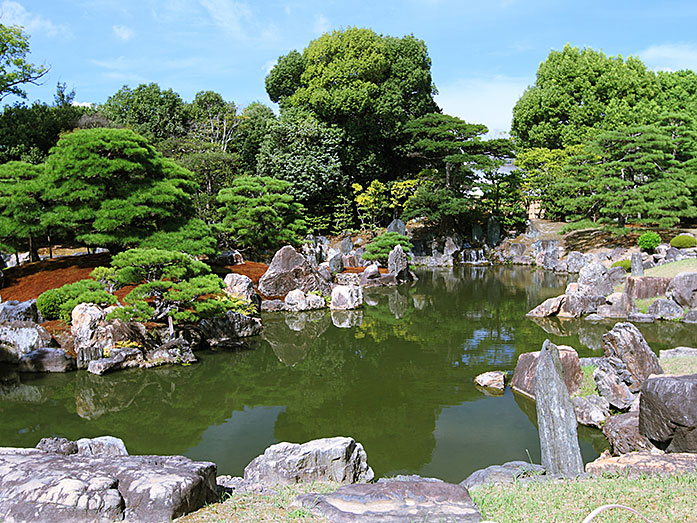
625 264
683 241
649 241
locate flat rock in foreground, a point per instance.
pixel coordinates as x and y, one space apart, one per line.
395 500
47 486
645 462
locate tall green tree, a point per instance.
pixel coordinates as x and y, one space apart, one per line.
577 93
256 120
21 208
110 188
155 113
366 84
15 70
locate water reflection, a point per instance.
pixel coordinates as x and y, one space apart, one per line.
396 375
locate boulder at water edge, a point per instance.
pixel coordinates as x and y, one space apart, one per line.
289 270
402 499
524 375
14 310
339 459
593 280
511 472
622 432
556 419
48 359
241 286
19 338
668 412
664 309
494 379
591 411
683 289
346 297
229 327
646 286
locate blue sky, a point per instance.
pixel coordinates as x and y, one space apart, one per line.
484 53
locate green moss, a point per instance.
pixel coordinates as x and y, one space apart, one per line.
625 264
588 387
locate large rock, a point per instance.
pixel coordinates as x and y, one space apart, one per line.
346 245
664 309
524 374
371 275
625 342
397 226
549 307
101 446
346 297
290 270
396 500
555 416
47 359
339 459
14 310
646 286
677 352
228 328
398 264
494 379
617 305
575 261
47 486
19 338
593 280
611 385
511 472
575 305
296 301
637 264
241 286
228 258
683 289
668 412
622 432
646 462
591 411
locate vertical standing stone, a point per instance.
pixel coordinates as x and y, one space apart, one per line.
637 264
556 419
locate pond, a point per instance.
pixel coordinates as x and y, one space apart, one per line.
396 375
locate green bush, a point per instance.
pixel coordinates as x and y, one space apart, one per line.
58 304
683 241
649 241
625 264
379 249
575 226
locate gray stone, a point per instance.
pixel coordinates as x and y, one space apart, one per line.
591 410
617 275
576 305
101 446
683 289
273 306
58 445
646 462
594 317
517 249
622 432
346 297
549 307
339 459
637 264
627 343
494 379
397 264
346 245
47 359
117 359
511 472
402 499
348 278
336 263
522 260
617 305
664 309
230 327
678 352
668 412
290 270
526 369
14 310
555 416
646 286
612 387
18 338
575 261
47 486
690 316
397 226
673 254
371 272
493 232
228 258
593 280
641 317
241 286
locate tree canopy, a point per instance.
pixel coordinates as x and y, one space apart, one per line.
15 70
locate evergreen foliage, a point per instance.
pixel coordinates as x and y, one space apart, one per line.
59 303
260 215
21 207
649 241
381 247
146 265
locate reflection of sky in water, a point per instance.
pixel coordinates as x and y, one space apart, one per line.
245 433
490 346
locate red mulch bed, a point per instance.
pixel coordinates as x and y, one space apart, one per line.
253 270
358 270
27 281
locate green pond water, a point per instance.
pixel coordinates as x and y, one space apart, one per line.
396 376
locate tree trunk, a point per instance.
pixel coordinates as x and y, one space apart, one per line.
33 252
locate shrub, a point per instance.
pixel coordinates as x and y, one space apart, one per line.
649 241
379 249
683 241
625 264
575 226
59 303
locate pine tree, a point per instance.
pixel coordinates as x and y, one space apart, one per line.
21 207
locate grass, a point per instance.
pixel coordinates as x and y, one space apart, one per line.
643 304
668 270
680 365
658 498
588 387
258 507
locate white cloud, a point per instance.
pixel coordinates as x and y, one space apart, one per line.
268 66
13 13
322 25
122 32
483 100
82 104
229 15
670 57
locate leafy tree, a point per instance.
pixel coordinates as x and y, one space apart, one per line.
381 247
304 152
502 195
58 304
579 92
150 111
256 119
15 71
368 85
260 214
372 203
109 187
21 207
